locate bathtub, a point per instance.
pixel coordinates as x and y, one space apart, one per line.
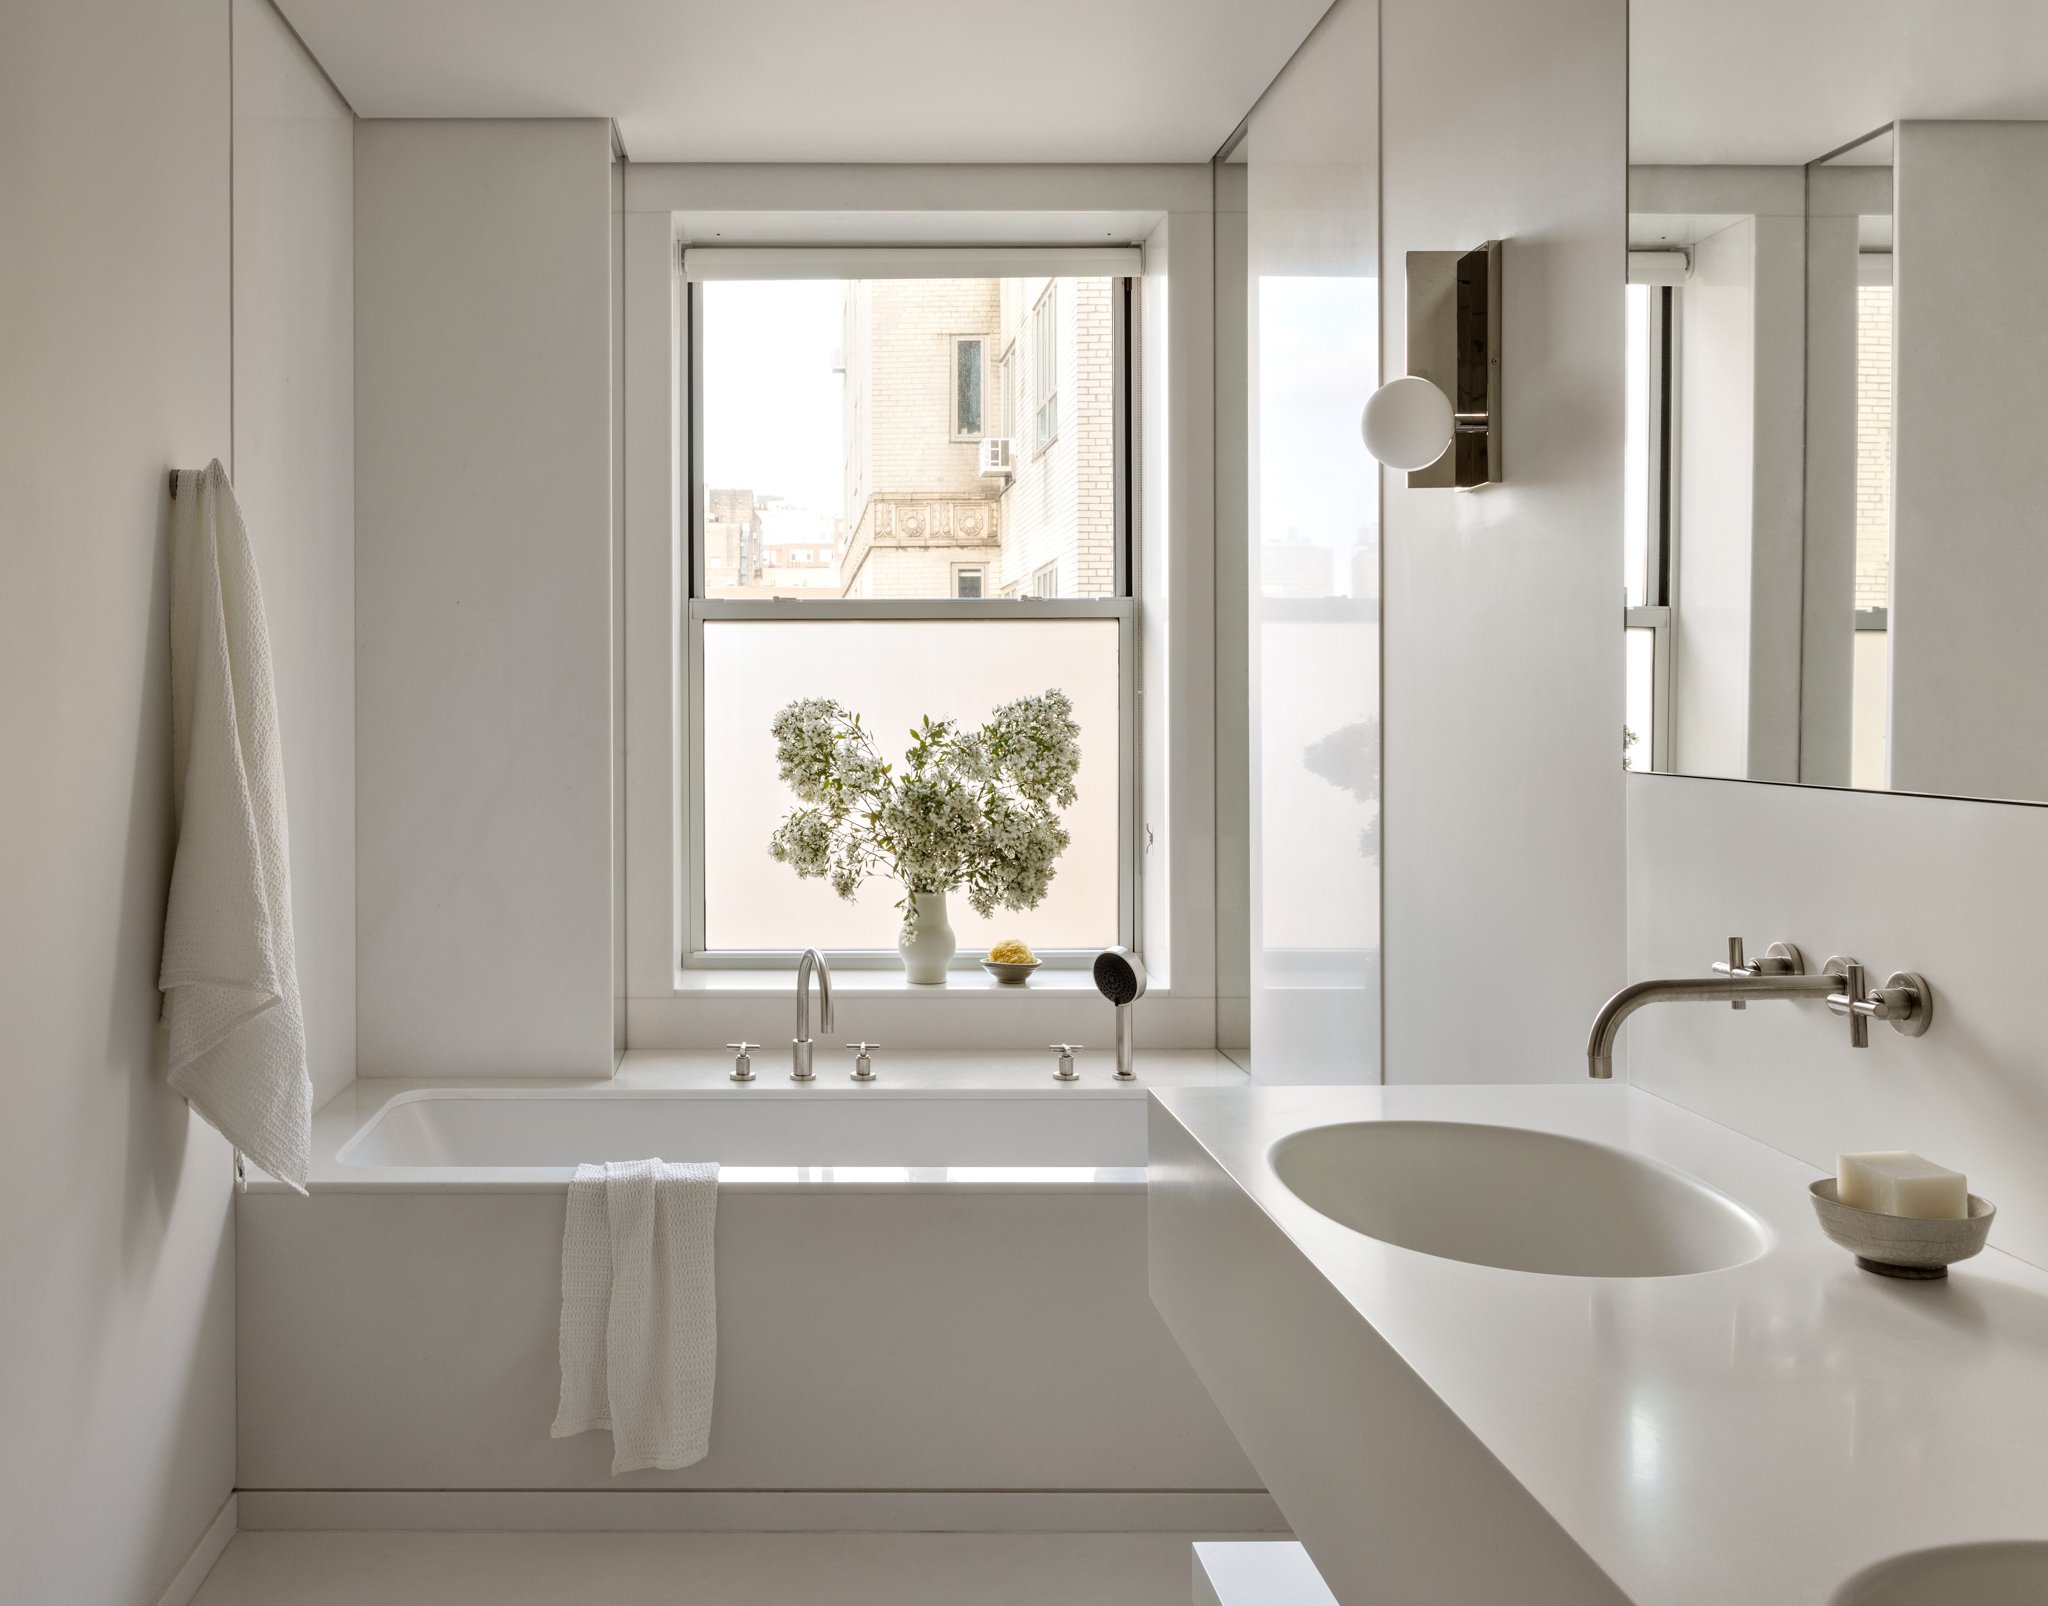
845 1136
932 1308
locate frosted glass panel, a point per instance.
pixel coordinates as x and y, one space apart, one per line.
893 672
1312 310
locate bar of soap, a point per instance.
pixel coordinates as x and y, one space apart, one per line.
1895 1183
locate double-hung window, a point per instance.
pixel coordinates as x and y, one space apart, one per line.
1648 527
944 579
1045 366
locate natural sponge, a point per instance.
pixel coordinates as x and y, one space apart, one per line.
1012 952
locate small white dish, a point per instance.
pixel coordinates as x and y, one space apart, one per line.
1901 1246
1008 975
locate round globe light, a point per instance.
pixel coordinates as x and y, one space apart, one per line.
1408 423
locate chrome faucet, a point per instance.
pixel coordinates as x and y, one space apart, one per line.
1735 983
800 1045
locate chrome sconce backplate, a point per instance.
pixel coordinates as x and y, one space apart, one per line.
1454 342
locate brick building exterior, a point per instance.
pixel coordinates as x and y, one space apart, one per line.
1037 369
931 369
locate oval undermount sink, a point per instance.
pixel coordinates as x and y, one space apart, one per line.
2004 1574
1514 1198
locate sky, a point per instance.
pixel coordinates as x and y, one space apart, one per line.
774 422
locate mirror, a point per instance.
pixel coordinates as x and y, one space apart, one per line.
1836 523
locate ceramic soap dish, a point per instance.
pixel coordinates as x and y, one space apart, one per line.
1901 1246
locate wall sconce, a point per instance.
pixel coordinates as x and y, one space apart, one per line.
1441 420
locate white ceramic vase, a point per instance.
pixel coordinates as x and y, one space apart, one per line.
928 952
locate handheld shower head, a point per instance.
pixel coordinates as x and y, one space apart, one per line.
1120 977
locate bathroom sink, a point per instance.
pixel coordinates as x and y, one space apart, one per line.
2014 1574
1515 1198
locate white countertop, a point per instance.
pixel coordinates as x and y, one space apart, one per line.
1752 1435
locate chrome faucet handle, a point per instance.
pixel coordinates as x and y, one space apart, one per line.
1905 1000
1780 959
862 1071
1850 993
742 1066
1064 1071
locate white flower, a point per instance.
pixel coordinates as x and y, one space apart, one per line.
974 808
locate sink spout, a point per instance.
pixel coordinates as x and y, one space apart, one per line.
1699 989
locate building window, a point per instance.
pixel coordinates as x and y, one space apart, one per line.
1045 366
969 386
813 423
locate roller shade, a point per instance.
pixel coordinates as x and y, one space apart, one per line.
705 262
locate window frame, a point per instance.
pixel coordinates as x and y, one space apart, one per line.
1122 605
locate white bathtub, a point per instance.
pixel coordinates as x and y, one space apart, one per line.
853 1136
929 1289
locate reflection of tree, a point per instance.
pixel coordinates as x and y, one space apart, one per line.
1349 759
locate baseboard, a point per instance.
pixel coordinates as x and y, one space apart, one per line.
768 1510
199 1562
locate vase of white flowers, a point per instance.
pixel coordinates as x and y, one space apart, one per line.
926 941
970 807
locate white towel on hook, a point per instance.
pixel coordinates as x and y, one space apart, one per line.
640 1311
230 979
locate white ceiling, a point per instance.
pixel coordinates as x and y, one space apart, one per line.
1782 81
819 81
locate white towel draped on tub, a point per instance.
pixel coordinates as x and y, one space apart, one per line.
639 1310
230 981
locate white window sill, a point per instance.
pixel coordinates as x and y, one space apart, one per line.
710 1006
712 982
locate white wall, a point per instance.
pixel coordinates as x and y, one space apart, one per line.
1969 565
1951 889
483 597
1740 489
1503 666
1717 444
1312 329
294 466
116 1334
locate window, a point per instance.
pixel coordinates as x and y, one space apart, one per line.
1647 529
1045 366
970 357
813 421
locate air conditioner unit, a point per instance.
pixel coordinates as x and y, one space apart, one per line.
997 459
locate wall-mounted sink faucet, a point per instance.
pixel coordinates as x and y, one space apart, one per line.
1905 1000
800 1045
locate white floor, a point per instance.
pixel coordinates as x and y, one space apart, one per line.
704 1569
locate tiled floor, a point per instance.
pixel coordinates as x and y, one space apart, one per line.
703 1569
